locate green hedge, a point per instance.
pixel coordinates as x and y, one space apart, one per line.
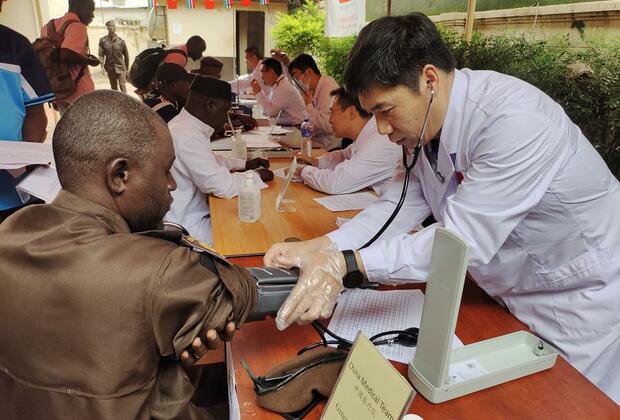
591 100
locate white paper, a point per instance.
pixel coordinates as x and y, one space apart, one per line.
234 412
373 311
341 221
278 130
465 370
42 183
343 202
17 154
280 174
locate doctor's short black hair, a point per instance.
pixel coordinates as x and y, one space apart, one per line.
303 62
273 64
393 50
346 100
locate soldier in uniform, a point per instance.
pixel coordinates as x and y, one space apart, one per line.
114 57
94 317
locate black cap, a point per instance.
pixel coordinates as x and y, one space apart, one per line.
170 72
211 87
211 62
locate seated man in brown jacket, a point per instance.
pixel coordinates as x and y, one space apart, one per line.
94 318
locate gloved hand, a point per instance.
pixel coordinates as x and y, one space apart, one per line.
288 250
318 287
256 162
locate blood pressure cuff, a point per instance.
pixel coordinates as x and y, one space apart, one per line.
290 386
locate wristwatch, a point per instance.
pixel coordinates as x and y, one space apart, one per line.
354 277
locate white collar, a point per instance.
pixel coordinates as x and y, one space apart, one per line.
205 129
451 130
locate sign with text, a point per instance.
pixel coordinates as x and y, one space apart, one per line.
368 387
345 17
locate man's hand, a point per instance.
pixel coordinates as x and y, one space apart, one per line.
279 254
248 122
298 170
256 163
255 86
280 56
265 174
307 98
307 160
92 60
318 287
199 349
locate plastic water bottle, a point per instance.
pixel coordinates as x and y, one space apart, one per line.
306 138
249 200
239 149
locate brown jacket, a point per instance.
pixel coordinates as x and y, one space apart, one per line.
93 317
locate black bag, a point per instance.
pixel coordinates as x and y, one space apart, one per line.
145 65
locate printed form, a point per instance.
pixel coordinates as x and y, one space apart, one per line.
374 311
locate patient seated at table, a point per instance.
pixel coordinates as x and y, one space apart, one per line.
94 317
197 170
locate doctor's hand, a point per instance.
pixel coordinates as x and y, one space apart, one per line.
199 348
280 56
280 254
318 287
256 163
255 86
298 170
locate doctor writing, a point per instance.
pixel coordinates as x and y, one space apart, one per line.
497 162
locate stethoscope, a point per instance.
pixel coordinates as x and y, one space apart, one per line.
408 167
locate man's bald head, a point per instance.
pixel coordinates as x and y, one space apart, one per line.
97 128
115 151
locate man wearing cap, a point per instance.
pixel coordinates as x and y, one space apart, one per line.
170 94
197 170
114 57
210 66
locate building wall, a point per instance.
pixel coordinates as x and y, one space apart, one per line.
597 20
21 16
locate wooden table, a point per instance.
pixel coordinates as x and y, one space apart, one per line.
231 237
558 393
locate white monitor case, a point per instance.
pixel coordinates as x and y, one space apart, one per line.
495 361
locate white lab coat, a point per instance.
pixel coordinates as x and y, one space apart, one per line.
198 172
242 83
318 114
368 162
538 207
283 96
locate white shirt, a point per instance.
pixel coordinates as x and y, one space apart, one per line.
283 96
242 83
368 162
198 172
538 207
318 113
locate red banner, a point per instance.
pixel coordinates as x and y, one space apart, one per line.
172 4
209 4
246 2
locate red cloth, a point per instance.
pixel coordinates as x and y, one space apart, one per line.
172 4
210 4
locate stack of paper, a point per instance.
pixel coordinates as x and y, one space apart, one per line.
42 183
343 202
17 154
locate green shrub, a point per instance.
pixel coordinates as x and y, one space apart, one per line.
592 101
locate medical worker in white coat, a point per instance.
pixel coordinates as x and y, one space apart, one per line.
503 167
